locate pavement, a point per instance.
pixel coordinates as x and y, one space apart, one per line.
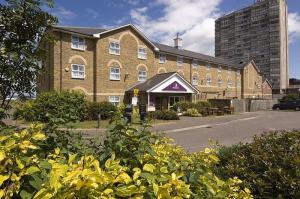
195 133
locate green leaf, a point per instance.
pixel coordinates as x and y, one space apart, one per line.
32 170
25 195
125 191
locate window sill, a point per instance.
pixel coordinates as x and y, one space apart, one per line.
142 58
79 78
79 49
115 79
114 54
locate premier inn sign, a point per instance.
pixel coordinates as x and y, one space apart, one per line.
175 86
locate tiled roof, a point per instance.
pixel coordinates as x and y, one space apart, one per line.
153 81
193 55
81 30
161 47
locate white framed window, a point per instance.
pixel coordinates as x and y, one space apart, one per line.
195 63
195 80
179 61
77 71
142 75
115 73
219 82
208 80
114 48
208 66
142 53
115 100
229 83
162 58
219 69
77 42
238 83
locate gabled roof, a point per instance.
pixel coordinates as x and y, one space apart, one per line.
268 82
192 55
153 81
156 80
242 66
80 30
97 32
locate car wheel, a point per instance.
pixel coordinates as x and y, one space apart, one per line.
277 108
297 109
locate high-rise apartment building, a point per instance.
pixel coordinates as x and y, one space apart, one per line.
257 32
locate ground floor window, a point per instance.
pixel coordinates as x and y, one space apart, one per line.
142 76
114 100
175 99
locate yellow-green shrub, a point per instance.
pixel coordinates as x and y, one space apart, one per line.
158 170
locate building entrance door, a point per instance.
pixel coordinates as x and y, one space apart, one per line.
161 103
175 99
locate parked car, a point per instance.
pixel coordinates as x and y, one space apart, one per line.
285 105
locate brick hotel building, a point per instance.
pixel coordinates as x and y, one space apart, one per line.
107 65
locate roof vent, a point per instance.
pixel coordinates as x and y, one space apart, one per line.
178 42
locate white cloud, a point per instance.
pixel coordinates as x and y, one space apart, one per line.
63 14
92 13
294 26
193 19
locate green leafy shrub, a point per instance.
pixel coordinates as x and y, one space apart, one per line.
192 112
201 106
290 97
106 110
269 165
136 164
164 115
56 107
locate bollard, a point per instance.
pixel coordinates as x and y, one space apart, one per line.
98 122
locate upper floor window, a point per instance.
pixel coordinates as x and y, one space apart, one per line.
238 82
162 58
208 80
229 69
208 66
115 100
114 48
142 54
77 71
195 80
219 69
219 82
142 76
179 61
229 83
115 73
195 63
77 42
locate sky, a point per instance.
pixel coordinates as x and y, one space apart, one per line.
160 20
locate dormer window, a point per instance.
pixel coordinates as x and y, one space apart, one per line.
208 66
77 43
179 61
114 48
142 53
195 63
162 58
219 69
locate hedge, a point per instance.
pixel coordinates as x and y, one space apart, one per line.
201 106
163 115
56 107
269 165
106 110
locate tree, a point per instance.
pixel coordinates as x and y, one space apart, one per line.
23 26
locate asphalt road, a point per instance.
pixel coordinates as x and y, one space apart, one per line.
194 133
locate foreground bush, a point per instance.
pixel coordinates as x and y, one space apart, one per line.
56 107
269 165
164 115
106 110
132 163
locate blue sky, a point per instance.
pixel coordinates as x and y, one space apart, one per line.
160 20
